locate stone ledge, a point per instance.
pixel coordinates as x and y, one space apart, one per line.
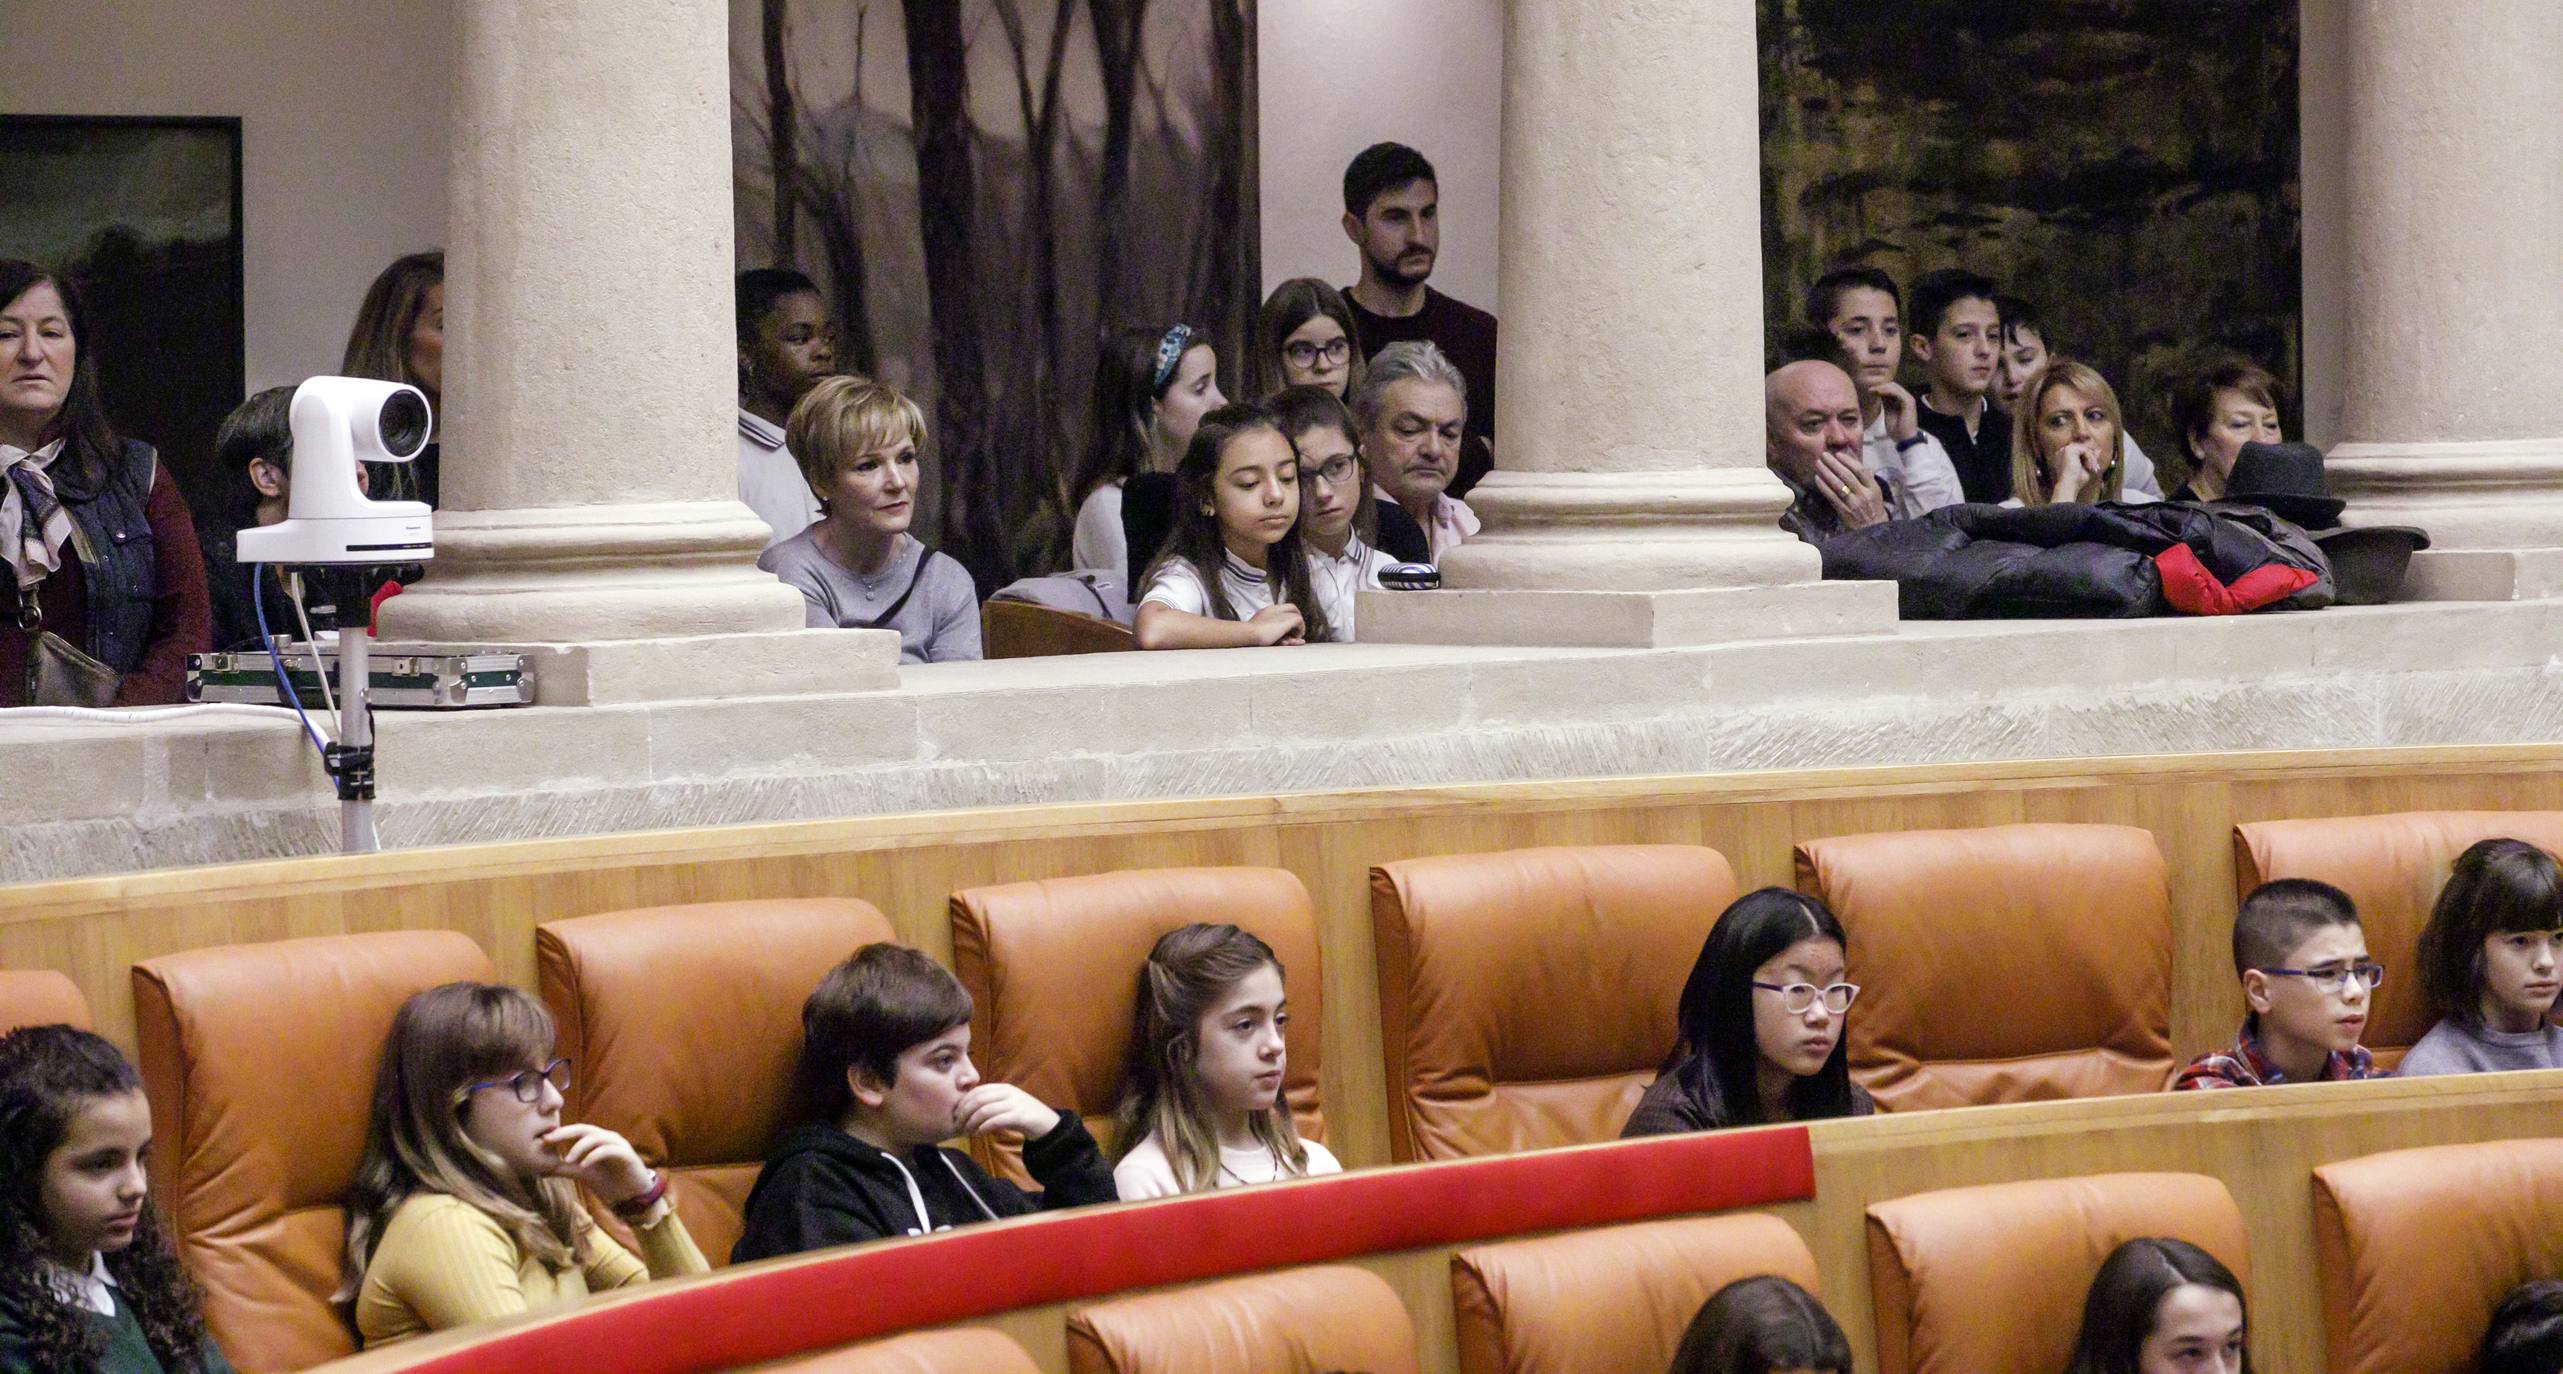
109 797
1645 620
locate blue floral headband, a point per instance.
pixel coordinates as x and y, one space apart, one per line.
1170 351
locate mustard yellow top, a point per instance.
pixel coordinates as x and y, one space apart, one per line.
445 1263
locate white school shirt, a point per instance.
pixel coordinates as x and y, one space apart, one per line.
1925 479
1145 1173
1338 582
1097 541
1177 583
770 482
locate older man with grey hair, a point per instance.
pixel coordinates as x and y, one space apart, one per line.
1413 409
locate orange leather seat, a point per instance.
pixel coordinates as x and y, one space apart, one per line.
685 1024
1612 1299
40 997
259 1061
2418 1246
1970 1280
1477 955
1294 1321
963 1351
2392 867
2015 963
1052 969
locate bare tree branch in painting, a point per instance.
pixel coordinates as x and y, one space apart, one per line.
1117 25
947 203
783 121
1041 122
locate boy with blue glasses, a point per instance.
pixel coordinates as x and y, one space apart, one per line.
2308 985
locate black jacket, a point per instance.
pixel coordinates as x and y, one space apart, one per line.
822 1187
1973 562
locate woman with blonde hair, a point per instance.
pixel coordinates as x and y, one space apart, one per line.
2069 440
856 566
399 336
466 1206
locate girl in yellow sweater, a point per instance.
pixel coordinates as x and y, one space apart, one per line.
466 1205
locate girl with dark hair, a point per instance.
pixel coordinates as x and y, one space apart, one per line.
399 336
1338 513
104 574
1763 1325
1152 387
1234 573
2161 1306
1306 337
2489 964
1760 1026
465 1207
88 1281
1202 1105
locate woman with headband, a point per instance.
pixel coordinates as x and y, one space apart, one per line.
1152 386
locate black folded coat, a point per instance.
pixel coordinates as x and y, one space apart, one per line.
1981 562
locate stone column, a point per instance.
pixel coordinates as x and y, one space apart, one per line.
1630 504
590 446
2452 401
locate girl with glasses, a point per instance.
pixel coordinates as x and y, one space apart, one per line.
1338 515
1306 337
1760 1025
466 1207
2489 964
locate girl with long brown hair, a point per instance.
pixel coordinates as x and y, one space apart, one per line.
1202 1102
466 1206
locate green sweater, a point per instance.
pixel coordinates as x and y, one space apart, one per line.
127 1352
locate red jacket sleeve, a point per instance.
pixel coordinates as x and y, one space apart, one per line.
182 616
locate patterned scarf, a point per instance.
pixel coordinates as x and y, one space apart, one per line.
33 524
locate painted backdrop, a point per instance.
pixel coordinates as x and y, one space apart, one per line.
2129 165
983 188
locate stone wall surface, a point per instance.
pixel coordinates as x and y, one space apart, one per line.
106 798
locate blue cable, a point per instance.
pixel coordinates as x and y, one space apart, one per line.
284 684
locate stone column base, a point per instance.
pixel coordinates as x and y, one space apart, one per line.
591 574
2504 494
1619 620
2483 575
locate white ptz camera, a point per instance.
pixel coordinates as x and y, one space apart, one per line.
339 423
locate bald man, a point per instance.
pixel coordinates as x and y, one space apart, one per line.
1812 440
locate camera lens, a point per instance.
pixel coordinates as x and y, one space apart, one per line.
403 424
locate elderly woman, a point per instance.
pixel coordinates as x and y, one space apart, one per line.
107 584
2219 409
2068 440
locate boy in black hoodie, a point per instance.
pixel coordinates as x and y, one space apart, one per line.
886 1074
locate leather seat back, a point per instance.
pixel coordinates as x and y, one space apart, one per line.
1293 1321
1526 998
2392 867
965 1350
1611 1299
2418 1246
259 1061
1052 968
40 997
1967 1280
685 1024
2014 963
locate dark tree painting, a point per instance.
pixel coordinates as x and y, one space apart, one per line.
983 188
2128 165
145 215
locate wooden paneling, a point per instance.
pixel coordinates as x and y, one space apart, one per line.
95 929
2263 1143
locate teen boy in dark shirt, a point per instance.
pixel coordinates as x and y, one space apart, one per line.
1392 213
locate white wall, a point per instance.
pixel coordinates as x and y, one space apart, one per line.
343 123
1336 76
